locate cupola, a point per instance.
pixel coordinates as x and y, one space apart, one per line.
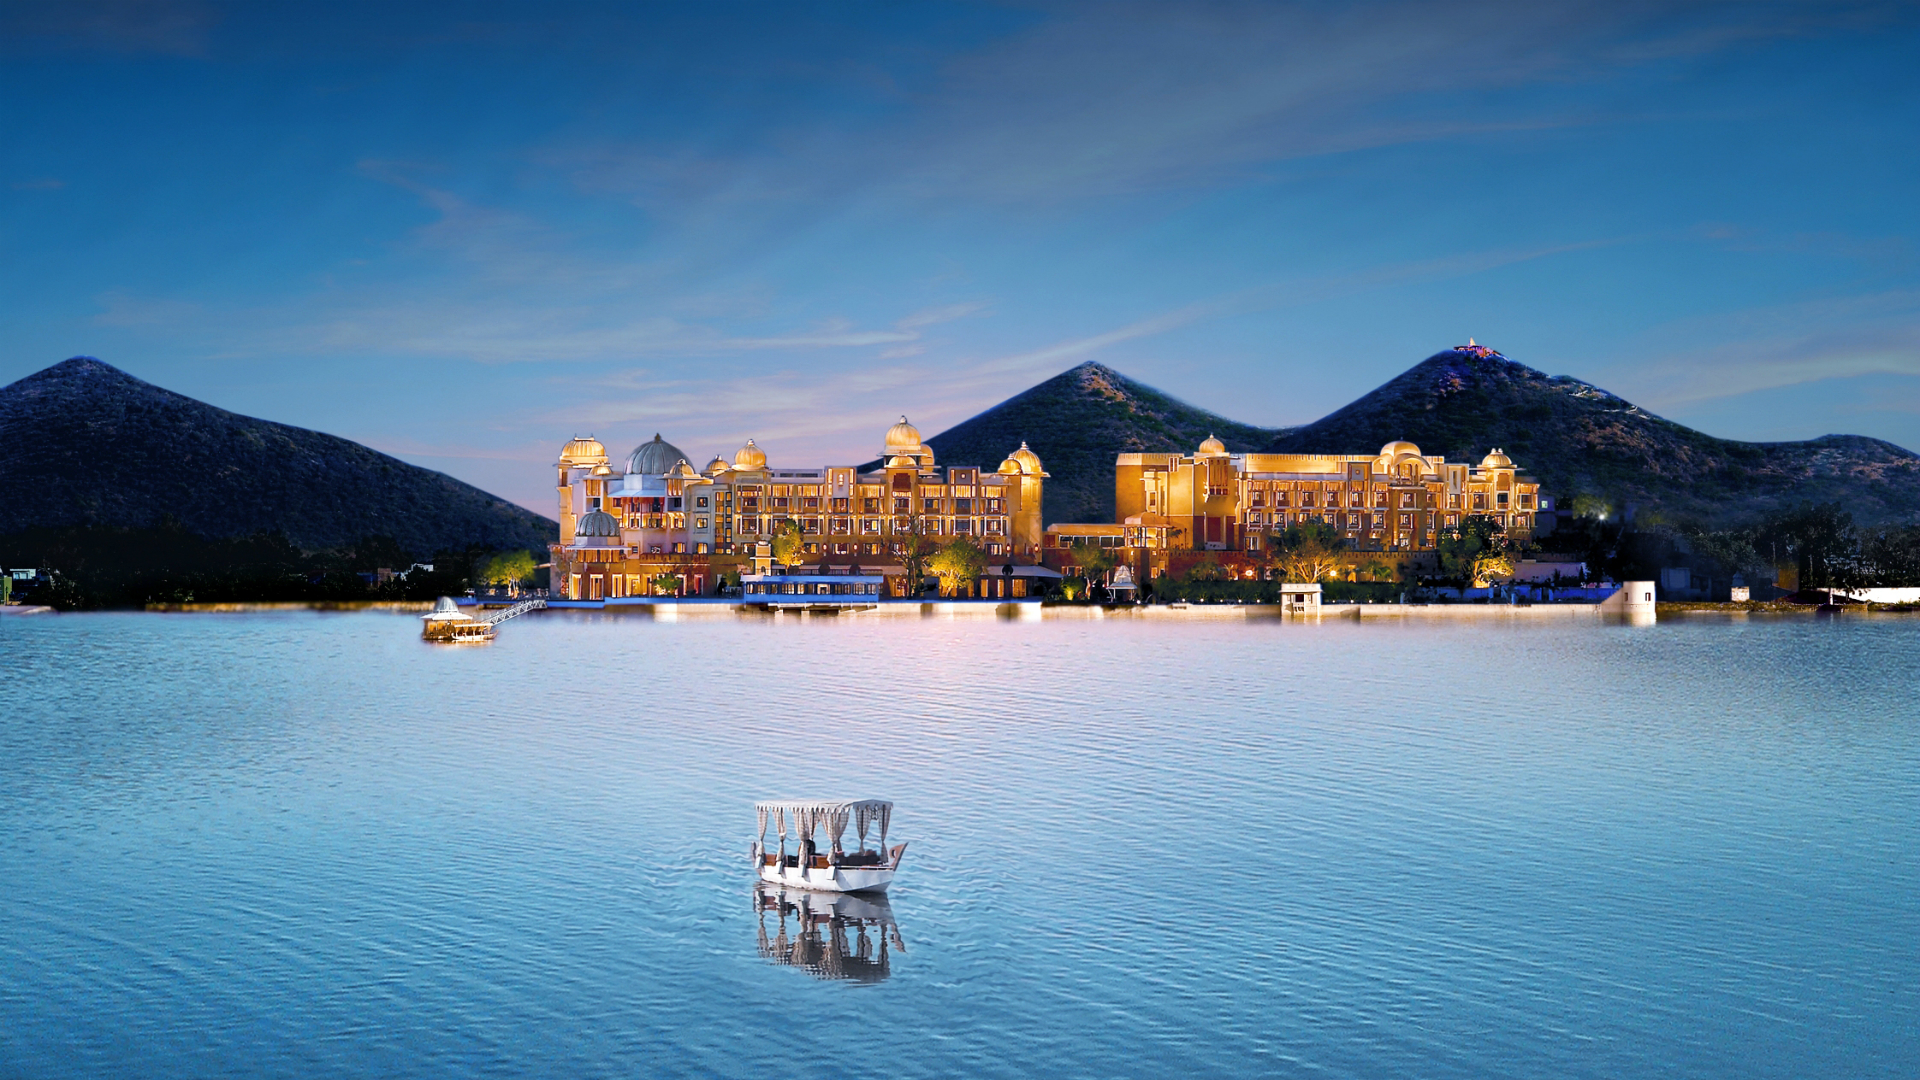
597 523
586 452
654 458
750 457
903 438
1023 461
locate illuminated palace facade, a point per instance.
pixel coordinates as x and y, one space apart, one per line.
1396 500
663 518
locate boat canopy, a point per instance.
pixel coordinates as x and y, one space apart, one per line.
833 815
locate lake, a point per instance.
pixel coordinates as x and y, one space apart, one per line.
307 844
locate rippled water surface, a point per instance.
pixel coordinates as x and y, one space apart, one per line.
310 845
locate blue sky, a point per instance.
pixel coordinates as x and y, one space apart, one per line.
461 234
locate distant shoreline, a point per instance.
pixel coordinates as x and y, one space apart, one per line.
296 605
671 608
675 608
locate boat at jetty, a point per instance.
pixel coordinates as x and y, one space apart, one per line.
446 622
862 870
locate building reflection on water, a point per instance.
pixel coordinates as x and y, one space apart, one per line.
827 935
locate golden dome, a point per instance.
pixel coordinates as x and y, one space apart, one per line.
717 465
587 451
684 469
750 457
1496 460
1212 446
603 469
903 436
900 461
1024 461
1397 447
1010 467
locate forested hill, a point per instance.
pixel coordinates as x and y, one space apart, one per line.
84 443
1077 421
1579 439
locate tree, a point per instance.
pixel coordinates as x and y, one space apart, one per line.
1823 542
1095 563
665 584
915 548
1590 506
375 552
788 543
1309 551
1475 552
1890 556
957 564
1207 569
510 568
1729 552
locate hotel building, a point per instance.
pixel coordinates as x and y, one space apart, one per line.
663 517
1396 500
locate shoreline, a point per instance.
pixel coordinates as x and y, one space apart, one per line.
667 609
241 606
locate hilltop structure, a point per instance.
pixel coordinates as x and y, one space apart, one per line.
664 522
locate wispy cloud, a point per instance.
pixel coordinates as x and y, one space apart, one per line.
1272 296
1112 99
945 313
169 27
1777 346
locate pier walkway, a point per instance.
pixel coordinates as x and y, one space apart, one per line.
514 612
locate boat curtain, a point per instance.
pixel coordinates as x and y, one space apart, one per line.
835 819
867 814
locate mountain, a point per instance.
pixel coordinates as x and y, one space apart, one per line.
83 442
1077 421
1579 439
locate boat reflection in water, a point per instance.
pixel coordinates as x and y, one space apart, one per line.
831 935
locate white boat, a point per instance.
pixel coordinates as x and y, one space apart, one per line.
863 869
